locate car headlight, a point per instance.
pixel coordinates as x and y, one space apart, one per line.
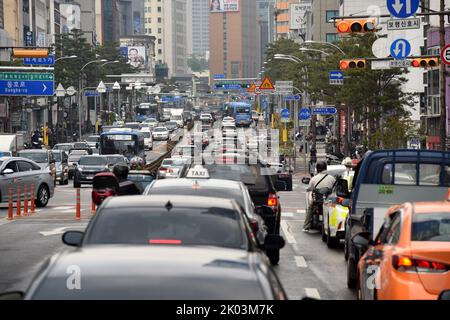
80 169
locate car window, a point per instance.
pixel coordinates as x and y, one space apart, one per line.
431 227
39 157
214 226
12 165
429 174
25 166
405 174
392 229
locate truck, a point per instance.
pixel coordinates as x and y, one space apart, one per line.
177 116
11 144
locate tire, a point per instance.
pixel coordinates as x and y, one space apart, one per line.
351 273
61 182
324 236
331 242
66 182
274 256
43 195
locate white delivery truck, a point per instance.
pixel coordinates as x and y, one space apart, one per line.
177 116
10 144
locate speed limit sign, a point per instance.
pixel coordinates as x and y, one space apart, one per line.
445 54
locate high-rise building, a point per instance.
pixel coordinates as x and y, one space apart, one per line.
80 14
282 17
131 16
200 28
107 20
322 27
235 41
265 15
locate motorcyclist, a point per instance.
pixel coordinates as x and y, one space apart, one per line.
321 180
126 187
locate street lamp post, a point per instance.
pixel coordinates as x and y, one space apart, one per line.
325 43
80 90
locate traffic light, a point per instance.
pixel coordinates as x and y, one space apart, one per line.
356 26
30 53
425 62
352 64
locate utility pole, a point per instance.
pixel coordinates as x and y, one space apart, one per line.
442 82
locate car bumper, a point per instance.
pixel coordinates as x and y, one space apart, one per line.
86 178
160 137
62 175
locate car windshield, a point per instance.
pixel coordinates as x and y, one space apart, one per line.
171 123
57 156
250 175
431 227
64 147
93 161
115 160
160 129
39 157
181 226
78 152
146 134
93 139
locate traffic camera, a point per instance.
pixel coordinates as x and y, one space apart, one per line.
352 64
356 26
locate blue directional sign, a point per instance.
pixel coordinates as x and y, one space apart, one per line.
91 93
403 8
226 86
400 49
219 76
29 39
264 103
336 75
49 61
292 97
285 113
325 110
26 84
304 114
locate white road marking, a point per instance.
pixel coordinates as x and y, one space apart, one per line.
63 208
301 262
301 211
4 221
59 230
312 293
287 214
287 232
295 186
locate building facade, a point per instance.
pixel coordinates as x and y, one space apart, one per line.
322 27
200 28
131 17
266 24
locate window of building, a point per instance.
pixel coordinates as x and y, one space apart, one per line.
331 14
331 37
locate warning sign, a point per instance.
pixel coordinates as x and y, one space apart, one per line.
252 88
267 84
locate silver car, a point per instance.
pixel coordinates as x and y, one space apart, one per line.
20 172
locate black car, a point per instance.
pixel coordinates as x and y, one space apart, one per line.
162 247
87 168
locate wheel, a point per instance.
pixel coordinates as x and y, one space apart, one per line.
274 256
66 182
61 182
331 242
324 236
43 195
351 272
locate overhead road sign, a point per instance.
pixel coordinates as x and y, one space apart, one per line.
219 76
266 84
304 114
336 78
445 54
291 97
284 87
48 61
91 93
403 24
403 8
30 53
26 84
324 110
400 49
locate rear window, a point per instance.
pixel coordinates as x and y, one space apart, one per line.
406 174
179 226
250 175
431 227
93 161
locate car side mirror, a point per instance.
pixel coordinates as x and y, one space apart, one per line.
274 242
13 295
73 238
7 171
362 240
342 189
306 180
445 295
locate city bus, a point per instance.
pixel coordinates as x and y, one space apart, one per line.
146 110
128 144
240 111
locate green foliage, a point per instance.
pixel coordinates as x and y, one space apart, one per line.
197 64
393 134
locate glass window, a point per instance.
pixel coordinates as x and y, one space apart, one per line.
429 174
331 14
393 233
12 165
93 161
25 166
331 37
431 227
405 174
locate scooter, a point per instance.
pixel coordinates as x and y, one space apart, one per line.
318 196
333 159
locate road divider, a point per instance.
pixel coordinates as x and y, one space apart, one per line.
18 204
10 204
33 204
25 200
78 205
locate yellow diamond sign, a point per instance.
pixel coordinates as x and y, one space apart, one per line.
267 84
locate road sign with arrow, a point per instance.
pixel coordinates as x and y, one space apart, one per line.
403 8
400 49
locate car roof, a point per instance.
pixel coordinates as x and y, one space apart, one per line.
34 151
207 183
157 272
431 207
162 200
14 158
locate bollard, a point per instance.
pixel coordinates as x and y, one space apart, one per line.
19 205
93 208
25 200
78 209
10 205
33 205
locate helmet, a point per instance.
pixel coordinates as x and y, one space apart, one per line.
347 162
321 166
121 170
137 163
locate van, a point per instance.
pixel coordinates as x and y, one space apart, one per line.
386 178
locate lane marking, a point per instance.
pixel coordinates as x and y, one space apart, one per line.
62 208
287 214
301 211
287 232
59 230
312 293
301 262
4 221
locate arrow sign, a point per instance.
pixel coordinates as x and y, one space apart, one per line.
305 114
403 8
400 49
336 75
325 110
285 113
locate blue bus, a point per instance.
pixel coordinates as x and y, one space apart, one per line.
145 111
240 111
128 144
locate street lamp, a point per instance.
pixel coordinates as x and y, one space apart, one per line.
80 92
109 62
280 56
314 50
325 43
66 57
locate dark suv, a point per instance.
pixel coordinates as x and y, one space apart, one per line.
87 168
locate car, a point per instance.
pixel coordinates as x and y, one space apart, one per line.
81 146
206 117
172 168
152 122
160 133
93 141
63 146
17 172
228 119
62 166
87 168
74 157
262 189
148 140
114 159
171 126
44 158
134 126
255 116
410 256
228 126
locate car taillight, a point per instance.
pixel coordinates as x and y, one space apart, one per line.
254 225
272 200
164 241
99 196
407 264
163 169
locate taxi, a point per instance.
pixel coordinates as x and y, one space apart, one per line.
410 257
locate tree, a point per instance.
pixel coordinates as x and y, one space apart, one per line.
197 64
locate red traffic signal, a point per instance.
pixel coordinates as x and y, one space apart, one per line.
356 26
352 64
425 62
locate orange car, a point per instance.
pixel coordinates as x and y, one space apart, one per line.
410 257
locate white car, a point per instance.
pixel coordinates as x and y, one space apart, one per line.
151 122
228 120
206 117
148 139
228 126
160 133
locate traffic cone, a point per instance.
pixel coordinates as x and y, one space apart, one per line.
19 205
78 208
10 205
33 205
25 201
93 208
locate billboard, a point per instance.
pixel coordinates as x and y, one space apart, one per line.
223 5
297 15
136 56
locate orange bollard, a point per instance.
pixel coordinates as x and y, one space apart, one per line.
10 205
78 210
19 205
33 205
25 200
93 208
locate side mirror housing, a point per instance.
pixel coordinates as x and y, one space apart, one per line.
362 240
274 242
342 189
306 180
7 171
73 238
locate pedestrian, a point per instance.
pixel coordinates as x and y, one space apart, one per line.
312 158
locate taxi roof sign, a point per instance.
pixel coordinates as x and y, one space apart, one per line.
267 84
198 172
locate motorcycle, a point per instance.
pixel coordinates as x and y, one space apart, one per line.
333 159
318 197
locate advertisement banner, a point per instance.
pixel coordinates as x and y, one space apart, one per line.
137 57
297 15
223 5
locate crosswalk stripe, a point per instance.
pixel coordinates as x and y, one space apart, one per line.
312 293
300 262
287 232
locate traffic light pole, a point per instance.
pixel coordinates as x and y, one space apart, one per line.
442 83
